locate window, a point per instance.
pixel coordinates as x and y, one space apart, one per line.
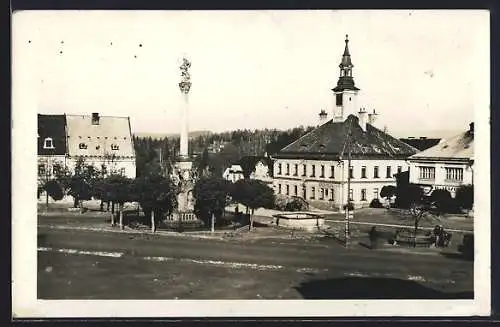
296 170
82 146
338 99
426 172
331 194
321 193
279 188
322 171
363 172
375 172
304 192
351 172
363 194
41 169
287 189
56 168
122 171
332 171
313 192
287 169
48 144
114 147
295 191
279 170
388 172
304 170
454 174
351 197
400 169
326 192
375 193
313 173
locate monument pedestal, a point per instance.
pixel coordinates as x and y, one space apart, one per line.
185 178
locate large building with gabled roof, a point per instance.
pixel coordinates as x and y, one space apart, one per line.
316 166
104 142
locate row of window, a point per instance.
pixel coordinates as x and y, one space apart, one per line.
324 193
99 137
388 172
48 143
84 146
452 174
43 171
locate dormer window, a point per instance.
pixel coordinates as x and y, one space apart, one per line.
95 118
82 146
48 144
114 147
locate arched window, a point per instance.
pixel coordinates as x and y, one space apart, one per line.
48 144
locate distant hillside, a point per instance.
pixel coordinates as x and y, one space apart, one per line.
192 134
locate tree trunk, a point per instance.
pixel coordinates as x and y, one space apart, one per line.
415 233
107 206
101 206
113 219
121 216
112 206
46 199
81 206
153 227
75 202
212 224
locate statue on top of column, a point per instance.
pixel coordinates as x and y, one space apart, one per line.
185 84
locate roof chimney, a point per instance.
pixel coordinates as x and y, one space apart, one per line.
471 128
322 117
372 117
95 118
362 118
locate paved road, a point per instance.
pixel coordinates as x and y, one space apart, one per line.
74 252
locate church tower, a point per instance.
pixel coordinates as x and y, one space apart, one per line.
345 93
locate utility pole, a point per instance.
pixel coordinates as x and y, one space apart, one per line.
348 209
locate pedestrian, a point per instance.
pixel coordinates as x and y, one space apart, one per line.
436 232
373 234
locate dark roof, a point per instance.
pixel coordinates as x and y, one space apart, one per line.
345 83
420 143
53 126
329 141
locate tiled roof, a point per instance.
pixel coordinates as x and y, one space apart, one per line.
99 139
420 143
329 141
53 126
460 146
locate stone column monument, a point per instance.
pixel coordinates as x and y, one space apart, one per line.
183 174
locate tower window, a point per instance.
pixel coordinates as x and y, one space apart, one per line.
48 144
338 99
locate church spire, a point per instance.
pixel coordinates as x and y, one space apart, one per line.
346 81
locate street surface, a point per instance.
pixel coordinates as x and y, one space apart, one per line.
83 264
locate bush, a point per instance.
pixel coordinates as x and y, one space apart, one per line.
443 201
287 203
375 203
349 206
54 190
465 197
297 204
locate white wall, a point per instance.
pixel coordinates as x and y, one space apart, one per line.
339 182
440 182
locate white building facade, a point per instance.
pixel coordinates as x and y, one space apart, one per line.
316 166
447 165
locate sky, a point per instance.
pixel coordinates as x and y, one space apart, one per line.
422 71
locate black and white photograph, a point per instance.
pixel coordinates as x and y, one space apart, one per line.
246 163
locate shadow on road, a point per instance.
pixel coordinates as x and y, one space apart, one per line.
452 255
373 288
